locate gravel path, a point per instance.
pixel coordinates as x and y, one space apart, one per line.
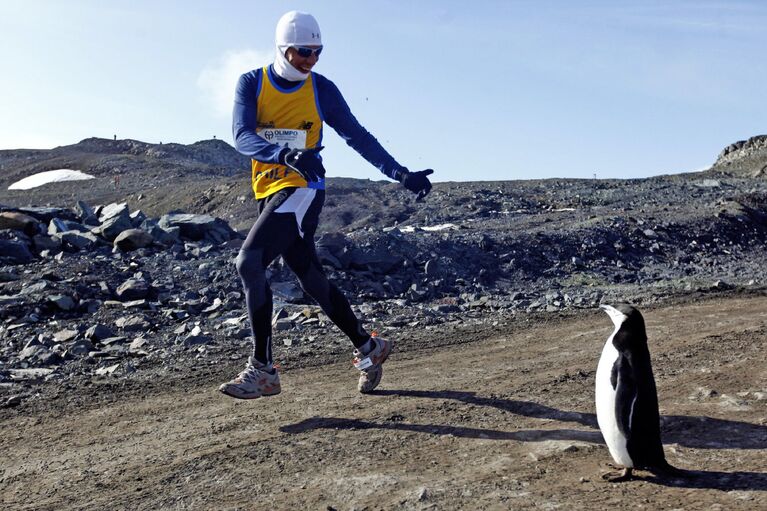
499 423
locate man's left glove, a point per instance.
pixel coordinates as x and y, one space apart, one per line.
416 182
306 162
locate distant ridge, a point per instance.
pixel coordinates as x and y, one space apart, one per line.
100 157
744 157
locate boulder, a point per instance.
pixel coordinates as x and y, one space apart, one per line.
165 237
113 211
112 226
59 225
198 227
42 242
15 252
132 239
137 218
19 222
45 215
84 211
78 240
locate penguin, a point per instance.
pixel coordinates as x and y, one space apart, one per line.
626 397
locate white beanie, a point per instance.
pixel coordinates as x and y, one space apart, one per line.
294 29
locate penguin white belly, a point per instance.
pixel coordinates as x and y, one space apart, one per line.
606 409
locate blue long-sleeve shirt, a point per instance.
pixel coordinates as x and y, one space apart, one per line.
335 111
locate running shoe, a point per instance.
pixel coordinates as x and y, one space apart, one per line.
371 365
255 381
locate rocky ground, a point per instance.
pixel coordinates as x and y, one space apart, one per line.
121 302
494 418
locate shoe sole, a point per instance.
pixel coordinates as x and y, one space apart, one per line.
379 376
223 391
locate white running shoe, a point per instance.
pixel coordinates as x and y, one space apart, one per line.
253 382
370 365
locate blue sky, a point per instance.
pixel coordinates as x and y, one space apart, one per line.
479 90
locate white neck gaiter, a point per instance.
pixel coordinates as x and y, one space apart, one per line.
294 29
285 69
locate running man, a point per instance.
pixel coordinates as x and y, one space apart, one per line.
279 113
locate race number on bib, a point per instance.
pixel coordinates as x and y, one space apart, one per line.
294 139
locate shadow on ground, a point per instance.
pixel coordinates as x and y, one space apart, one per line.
713 480
689 431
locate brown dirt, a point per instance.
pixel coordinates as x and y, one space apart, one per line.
502 423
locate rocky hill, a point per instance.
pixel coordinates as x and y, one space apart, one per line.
745 157
99 278
106 158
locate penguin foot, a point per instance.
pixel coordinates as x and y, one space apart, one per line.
612 477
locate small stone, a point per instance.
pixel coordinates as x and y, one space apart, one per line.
98 332
133 324
11 402
65 335
103 371
195 340
31 352
283 324
137 344
133 289
63 302
81 348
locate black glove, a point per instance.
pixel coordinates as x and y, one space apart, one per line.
416 182
306 162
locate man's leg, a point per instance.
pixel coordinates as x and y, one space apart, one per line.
301 258
270 235
370 352
251 266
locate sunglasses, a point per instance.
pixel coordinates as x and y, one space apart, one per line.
306 52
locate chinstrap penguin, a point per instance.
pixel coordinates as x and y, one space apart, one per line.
626 397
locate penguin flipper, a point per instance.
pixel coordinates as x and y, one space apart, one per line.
625 395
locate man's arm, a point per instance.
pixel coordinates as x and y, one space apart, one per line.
244 121
339 117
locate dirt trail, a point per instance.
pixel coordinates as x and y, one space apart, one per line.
504 423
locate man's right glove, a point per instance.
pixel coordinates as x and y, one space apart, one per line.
306 162
416 182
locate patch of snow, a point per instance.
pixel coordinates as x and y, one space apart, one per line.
431 228
49 176
440 227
